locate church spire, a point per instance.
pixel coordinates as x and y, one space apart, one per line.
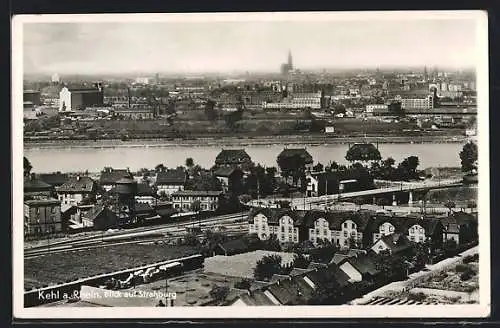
290 63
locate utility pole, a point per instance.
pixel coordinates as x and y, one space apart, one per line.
326 193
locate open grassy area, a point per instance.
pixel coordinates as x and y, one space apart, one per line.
60 267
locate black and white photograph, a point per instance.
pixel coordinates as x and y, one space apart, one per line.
221 165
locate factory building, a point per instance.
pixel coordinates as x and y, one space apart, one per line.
71 99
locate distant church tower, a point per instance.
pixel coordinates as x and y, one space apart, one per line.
290 63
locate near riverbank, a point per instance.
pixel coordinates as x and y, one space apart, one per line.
240 141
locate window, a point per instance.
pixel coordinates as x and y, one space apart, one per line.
290 229
295 238
317 231
345 233
345 225
412 238
353 226
282 229
345 242
391 228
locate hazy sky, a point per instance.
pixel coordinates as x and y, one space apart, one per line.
246 45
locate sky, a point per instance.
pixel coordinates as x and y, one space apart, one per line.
246 45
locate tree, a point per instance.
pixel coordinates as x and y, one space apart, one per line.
395 108
271 244
318 167
196 206
468 157
189 162
233 117
450 205
293 166
160 168
219 293
300 261
324 252
359 201
267 267
408 168
27 167
244 283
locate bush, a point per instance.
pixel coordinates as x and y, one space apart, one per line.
418 297
466 275
461 268
471 258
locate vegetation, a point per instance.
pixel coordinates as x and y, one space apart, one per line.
267 267
219 293
469 157
243 284
27 166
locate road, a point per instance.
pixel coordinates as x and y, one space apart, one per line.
141 234
401 186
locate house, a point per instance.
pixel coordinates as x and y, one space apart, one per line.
395 243
183 199
344 229
54 179
289 153
461 227
145 194
101 218
35 188
422 229
233 157
363 152
321 183
75 190
42 216
230 178
109 177
383 225
286 225
300 287
361 268
170 181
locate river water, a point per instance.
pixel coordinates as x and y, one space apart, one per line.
94 159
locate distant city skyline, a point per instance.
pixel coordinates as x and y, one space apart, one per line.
254 46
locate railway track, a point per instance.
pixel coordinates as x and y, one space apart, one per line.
163 234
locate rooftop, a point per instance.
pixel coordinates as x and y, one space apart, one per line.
78 184
171 177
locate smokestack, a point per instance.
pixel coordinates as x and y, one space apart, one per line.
128 96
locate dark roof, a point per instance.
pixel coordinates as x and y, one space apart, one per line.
113 175
429 224
459 218
171 177
227 171
274 214
200 193
54 179
32 183
364 264
144 189
336 219
363 152
396 242
84 90
77 185
289 152
287 292
143 208
42 202
232 156
166 212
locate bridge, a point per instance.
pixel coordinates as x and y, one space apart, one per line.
391 188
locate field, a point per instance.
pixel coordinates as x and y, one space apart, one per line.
457 285
60 267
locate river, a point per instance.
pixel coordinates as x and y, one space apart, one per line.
94 159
